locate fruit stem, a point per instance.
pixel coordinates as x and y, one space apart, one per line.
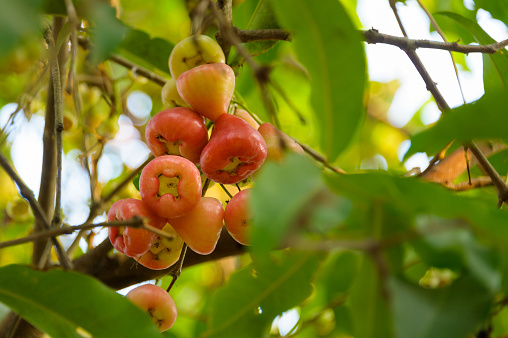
177 270
226 190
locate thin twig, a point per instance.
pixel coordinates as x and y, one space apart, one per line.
320 158
177 269
97 206
69 229
397 17
226 190
36 208
373 36
497 180
443 36
57 91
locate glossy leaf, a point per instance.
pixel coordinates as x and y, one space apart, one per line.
484 119
327 43
255 295
495 66
498 9
68 304
149 52
454 311
369 308
107 33
275 209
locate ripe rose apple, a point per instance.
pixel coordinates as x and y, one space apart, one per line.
170 97
177 131
208 89
202 226
170 185
130 241
244 115
193 51
237 217
164 252
157 303
235 151
275 140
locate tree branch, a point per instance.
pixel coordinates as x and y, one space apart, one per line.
498 181
373 36
120 271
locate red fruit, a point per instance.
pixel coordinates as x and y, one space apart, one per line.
237 217
157 303
202 226
275 139
170 186
130 241
177 131
208 89
235 151
164 252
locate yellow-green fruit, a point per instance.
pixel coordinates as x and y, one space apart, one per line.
196 50
18 210
170 96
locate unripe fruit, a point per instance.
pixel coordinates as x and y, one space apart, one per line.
193 51
244 115
170 186
237 217
164 251
277 142
157 303
235 151
202 226
177 131
208 89
170 97
130 241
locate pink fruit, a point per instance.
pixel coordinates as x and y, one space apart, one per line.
157 303
235 151
237 217
208 89
177 131
202 226
170 186
130 241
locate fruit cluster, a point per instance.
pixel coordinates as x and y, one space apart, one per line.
170 186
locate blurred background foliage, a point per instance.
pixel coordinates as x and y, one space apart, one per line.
373 253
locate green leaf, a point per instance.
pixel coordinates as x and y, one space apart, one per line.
456 249
454 311
485 119
327 43
498 9
68 304
338 273
146 51
135 181
107 32
495 66
255 295
369 308
411 197
263 18
278 196
18 20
